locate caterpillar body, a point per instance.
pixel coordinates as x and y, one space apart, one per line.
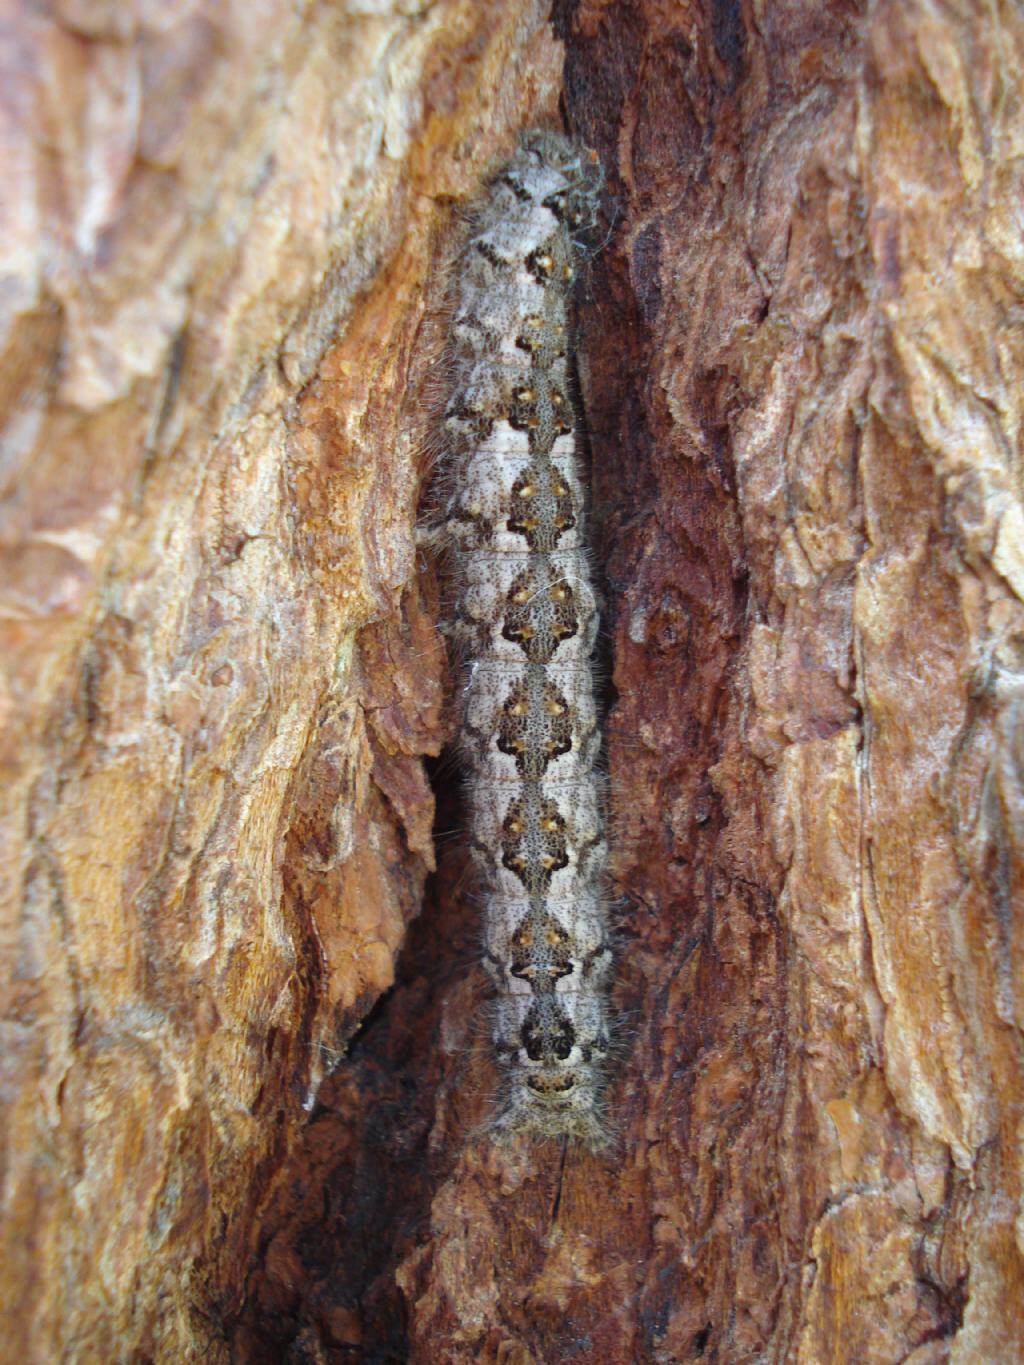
525 622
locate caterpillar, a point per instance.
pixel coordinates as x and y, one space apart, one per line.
525 623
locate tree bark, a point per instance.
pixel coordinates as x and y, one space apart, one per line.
245 1054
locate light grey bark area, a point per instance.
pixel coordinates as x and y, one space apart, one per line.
226 238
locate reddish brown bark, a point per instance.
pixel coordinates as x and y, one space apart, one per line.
798 334
219 677
802 365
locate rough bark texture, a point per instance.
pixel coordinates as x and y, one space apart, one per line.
221 245
224 247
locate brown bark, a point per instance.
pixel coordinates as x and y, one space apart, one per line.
219 674
802 362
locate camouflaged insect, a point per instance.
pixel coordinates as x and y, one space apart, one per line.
526 621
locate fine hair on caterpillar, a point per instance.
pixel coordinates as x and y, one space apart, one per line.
523 616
